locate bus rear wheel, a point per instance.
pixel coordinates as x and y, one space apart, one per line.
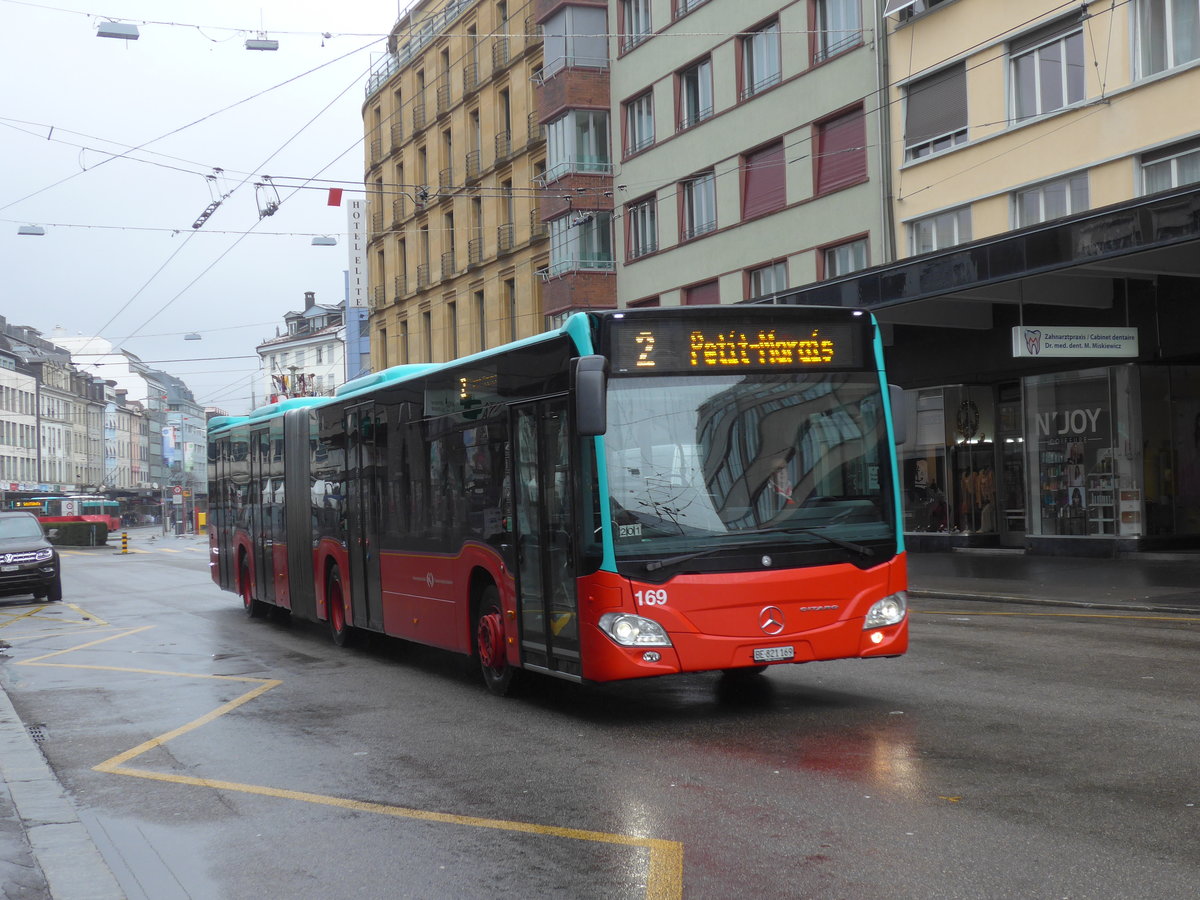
254 608
335 602
500 677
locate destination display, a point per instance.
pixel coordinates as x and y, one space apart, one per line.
648 346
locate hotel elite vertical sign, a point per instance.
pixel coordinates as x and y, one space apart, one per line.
356 214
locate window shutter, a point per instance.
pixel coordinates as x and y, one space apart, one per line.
841 151
937 104
706 294
764 182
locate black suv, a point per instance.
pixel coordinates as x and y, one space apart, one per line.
28 562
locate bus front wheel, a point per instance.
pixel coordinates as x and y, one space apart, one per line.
500 678
335 601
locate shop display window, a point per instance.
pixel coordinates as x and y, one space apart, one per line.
1083 453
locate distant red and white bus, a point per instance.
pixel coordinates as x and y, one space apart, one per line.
638 493
73 507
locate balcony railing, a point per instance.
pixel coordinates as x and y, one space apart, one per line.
692 118
400 285
418 112
443 99
378 296
397 134
398 210
376 149
537 228
500 54
503 146
445 180
376 221
537 131
473 166
504 238
581 264
470 77
474 252
422 276
448 265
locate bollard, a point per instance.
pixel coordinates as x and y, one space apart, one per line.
124 541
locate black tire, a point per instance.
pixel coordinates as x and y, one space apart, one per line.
253 608
491 645
54 591
335 610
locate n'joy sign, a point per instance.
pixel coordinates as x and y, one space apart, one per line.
1033 342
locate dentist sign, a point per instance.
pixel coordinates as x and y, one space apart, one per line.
1032 342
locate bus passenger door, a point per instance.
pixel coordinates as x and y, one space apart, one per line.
366 447
544 526
262 535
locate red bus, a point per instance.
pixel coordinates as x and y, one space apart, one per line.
638 493
76 507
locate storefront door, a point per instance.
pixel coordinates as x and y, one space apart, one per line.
1010 436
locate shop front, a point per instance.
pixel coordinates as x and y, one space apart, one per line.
1052 382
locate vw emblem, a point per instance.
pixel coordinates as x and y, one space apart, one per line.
770 620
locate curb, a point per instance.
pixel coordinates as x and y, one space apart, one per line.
1115 605
62 847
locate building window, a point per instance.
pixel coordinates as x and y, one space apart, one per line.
639 123
766 280
841 152
707 294
940 231
1168 34
1047 69
844 258
699 214
577 142
764 181
575 37
644 302
1171 167
635 23
683 7
935 116
581 241
839 27
760 60
641 228
1051 200
695 94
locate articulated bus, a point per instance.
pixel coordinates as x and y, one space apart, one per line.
638 493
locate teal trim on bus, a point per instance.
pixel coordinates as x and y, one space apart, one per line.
578 328
377 379
224 423
891 432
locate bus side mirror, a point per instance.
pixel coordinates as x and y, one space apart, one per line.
590 384
899 419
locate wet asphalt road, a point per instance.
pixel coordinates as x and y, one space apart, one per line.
1016 752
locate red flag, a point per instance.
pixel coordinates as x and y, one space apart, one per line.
335 197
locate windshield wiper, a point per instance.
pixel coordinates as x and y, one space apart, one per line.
657 564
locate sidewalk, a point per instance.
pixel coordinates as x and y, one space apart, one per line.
1151 582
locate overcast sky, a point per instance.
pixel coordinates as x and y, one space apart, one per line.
120 257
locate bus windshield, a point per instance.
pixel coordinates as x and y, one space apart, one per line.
780 462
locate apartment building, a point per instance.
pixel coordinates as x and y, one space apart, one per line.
752 154
454 157
1046 185
307 357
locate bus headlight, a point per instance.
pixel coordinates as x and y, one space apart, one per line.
888 611
634 631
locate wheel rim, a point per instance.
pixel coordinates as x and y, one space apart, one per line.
491 641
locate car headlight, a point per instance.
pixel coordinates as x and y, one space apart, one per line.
891 610
44 554
634 631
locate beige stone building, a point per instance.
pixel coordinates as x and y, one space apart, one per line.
454 153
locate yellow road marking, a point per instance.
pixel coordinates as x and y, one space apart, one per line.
168 550
968 612
664 877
